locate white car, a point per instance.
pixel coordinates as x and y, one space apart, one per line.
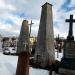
6 51
12 50
9 50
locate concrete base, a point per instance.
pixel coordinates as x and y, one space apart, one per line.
63 71
68 63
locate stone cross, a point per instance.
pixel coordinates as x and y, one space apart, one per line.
30 27
67 64
71 21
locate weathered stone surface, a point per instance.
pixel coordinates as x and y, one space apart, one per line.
23 43
23 50
44 53
68 60
23 64
70 34
63 71
69 49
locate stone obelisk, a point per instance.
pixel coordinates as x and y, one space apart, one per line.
23 50
44 53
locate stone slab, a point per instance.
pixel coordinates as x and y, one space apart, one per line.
63 71
69 49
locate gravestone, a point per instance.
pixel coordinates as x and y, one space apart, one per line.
22 45
67 65
44 52
23 50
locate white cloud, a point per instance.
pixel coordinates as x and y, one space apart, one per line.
5 6
32 11
35 27
61 29
8 28
11 7
2 26
2 4
72 2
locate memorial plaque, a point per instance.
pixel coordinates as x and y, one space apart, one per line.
69 49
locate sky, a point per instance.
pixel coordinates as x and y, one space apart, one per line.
13 12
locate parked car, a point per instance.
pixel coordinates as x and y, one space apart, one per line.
12 50
9 50
6 51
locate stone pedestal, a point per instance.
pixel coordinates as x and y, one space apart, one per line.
68 60
67 64
23 64
69 49
63 71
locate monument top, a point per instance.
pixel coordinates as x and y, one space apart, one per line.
23 41
47 4
71 21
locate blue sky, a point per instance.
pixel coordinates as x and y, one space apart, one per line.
13 12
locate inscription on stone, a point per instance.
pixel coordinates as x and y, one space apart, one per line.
70 52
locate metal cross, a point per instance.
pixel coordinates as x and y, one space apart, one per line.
30 27
71 21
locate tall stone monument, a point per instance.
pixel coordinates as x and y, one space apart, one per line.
23 38
67 65
23 50
44 52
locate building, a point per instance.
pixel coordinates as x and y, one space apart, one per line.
9 42
32 40
12 41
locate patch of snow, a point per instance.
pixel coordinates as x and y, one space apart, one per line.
58 56
34 71
8 65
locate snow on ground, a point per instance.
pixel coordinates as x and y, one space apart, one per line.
33 71
59 56
8 65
